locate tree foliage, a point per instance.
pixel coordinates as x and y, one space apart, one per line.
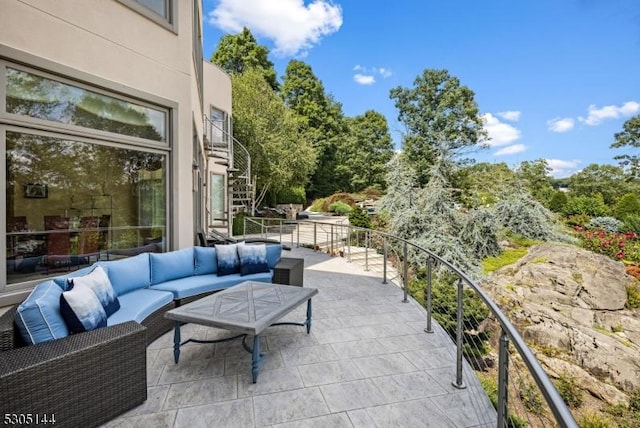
607 180
535 175
237 53
363 156
280 156
323 124
441 119
629 138
522 214
484 184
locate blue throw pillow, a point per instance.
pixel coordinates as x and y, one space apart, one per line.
81 309
38 318
99 283
253 259
228 261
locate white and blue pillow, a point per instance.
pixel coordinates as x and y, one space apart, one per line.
98 281
81 309
228 260
253 259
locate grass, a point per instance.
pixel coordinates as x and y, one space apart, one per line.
507 257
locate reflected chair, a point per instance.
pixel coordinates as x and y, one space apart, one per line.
89 239
57 241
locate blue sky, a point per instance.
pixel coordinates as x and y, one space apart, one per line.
553 79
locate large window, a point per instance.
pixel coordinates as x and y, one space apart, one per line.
44 98
70 203
86 175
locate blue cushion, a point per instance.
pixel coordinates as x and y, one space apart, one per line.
99 283
137 305
81 309
38 318
274 252
205 260
253 259
63 281
129 274
171 265
228 261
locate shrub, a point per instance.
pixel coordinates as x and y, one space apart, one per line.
608 224
558 201
614 245
569 390
337 197
359 217
633 302
628 204
340 208
292 195
631 223
372 192
317 205
478 234
578 220
594 420
531 398
593 206
525 216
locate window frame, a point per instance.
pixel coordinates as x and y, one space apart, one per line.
170 22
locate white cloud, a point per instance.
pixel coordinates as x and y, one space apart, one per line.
364 79
293 26
597 115
560 124
500 133
511 115
366 75
511 150
562 168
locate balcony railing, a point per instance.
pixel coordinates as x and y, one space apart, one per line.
518 386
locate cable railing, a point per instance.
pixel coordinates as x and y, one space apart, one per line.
487 345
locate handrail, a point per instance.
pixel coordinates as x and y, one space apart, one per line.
561 413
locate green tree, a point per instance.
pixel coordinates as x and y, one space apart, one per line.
237 53
629 138
281 157
558 201
607 180
484 184
323 124
363 157
592 206
441 119
537 179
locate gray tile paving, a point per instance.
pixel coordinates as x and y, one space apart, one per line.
367 363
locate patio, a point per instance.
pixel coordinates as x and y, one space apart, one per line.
366 363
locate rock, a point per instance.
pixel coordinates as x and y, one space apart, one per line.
571 302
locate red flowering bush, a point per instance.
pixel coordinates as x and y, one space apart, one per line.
616 245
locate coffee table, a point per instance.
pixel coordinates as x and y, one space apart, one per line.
247 309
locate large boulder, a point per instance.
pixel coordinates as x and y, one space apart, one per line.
570 303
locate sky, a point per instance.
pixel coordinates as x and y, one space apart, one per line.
553 79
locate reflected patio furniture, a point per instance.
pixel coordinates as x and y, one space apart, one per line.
58 241
90 237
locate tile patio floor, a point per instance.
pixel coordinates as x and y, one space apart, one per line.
367 363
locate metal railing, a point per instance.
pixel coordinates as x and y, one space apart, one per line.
517 385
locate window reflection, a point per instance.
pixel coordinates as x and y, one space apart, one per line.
100 203
42 98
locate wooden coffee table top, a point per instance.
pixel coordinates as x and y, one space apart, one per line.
248 307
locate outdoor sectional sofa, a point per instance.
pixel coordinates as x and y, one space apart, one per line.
88 378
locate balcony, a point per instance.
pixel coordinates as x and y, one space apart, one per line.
367 362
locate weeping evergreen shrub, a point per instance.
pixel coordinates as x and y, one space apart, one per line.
478 234
523 215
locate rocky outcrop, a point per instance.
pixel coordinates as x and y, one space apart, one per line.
569 305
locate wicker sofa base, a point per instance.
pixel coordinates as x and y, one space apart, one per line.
82 380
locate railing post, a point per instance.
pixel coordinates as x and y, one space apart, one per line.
428 294
331 241
459 339
349 244
366 250
405 272
297 234
315 241
503 380
384 259
280 221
